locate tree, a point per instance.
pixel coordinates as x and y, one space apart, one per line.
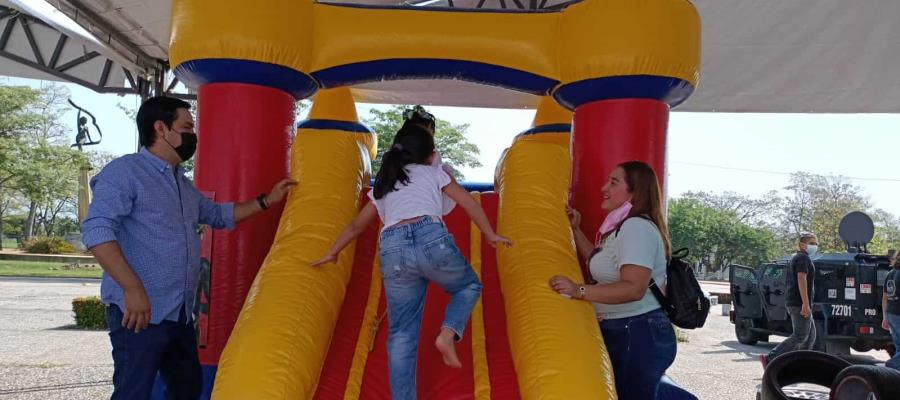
817 203
49 182
747 210
720 229
50 108
16 114
99 159
450 139
38 169
887 232
13 158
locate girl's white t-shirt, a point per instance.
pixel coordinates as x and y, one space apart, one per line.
638 243
421 196
447 202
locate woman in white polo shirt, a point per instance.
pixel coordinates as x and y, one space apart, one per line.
631 247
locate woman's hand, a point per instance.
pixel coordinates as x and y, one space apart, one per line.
574 217
563 286
885 325
494 239
324 260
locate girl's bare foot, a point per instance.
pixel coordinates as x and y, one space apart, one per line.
445 345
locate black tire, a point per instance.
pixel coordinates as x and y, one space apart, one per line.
742 329
762 338
861 346
866 382
837 347
803 366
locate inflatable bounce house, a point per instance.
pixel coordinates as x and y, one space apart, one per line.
602 74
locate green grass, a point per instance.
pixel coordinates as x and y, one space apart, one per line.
10 243
47 269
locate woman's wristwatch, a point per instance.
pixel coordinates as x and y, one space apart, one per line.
579 294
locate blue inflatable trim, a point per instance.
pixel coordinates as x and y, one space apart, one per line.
429 68
469 186
334 125
672 91
553 9
550 128
195 73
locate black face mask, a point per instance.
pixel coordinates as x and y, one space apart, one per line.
188 145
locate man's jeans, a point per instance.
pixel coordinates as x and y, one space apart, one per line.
412 255
169 348
641 348
894 322
803 337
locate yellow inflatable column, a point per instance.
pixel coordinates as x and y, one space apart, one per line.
556 344
292 307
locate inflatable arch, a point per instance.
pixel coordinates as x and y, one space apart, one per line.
603 74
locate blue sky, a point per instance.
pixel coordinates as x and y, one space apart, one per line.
745 153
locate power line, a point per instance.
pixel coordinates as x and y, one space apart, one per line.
770 172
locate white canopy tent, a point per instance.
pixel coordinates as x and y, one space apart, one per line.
826 56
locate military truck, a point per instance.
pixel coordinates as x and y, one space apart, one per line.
846 301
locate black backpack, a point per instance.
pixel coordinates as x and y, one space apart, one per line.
684 301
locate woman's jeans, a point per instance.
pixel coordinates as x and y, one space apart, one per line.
641 348
411 256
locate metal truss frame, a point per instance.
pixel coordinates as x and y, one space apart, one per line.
144 85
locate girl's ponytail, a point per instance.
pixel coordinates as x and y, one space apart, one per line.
412 145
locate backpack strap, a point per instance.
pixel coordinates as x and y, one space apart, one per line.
619 228
657 292
660 297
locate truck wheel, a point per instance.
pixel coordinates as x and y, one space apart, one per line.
866 382
802 366
837 347
742 329
861 346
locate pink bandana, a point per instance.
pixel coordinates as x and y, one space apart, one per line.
613 219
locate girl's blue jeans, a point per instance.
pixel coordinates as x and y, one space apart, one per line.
411 256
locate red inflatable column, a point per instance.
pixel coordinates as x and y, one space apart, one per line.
244 132
606 133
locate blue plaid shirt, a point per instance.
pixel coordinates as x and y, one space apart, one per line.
153 213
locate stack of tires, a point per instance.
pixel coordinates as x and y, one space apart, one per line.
846 381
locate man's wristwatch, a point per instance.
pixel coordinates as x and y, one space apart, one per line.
261 199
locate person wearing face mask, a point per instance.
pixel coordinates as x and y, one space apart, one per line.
631 248
143 228
798 299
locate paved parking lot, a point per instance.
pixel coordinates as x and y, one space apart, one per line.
713 365
43 357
